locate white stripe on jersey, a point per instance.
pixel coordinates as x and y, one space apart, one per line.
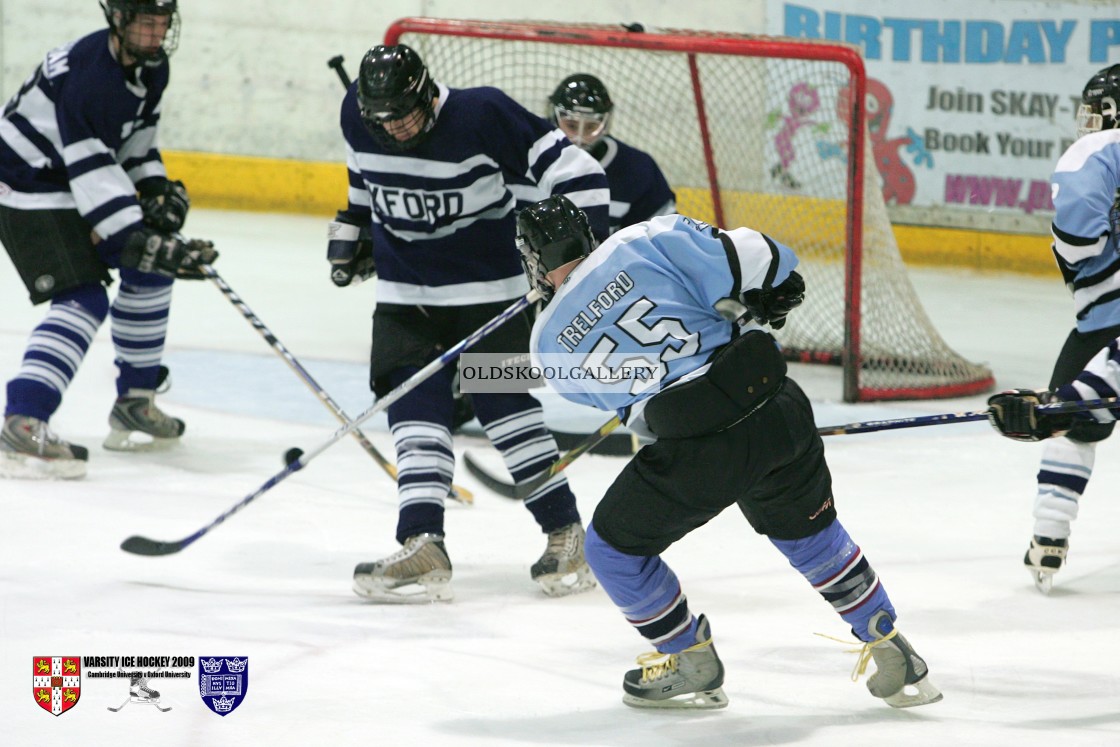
137 146
37 200
359 197
494 213
754 256
1084 148
1074 254
383 164
76 151
23 147
1083 297
588 197
572 163
452 295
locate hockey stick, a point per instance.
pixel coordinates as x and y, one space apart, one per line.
961 417
138 545
458 493
521 491
335 63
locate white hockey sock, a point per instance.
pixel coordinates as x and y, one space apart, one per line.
1062 478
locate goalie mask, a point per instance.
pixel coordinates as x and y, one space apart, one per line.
396 97
1099 102
551 233
147 30
581 107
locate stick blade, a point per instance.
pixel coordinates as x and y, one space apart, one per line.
490 480
143 546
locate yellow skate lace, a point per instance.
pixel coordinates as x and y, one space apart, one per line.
864 651
656 665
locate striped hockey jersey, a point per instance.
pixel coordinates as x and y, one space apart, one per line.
638 188
1086 229
442 214
645 299
79 134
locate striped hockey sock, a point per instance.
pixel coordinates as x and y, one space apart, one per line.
139 319
646 591
55 351
837 569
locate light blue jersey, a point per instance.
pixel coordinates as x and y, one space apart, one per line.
644 302
1086 244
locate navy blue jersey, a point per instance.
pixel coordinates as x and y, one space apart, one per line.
442 213
78 134
645 299
1087 227
638 188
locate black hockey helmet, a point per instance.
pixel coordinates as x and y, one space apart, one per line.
551 233
581 107
1100 102
396 92
146 46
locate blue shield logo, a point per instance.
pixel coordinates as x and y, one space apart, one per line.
223 682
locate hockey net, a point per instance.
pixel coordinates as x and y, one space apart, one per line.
749 131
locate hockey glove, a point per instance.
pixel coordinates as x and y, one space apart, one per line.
771 305
350 252
1015 414
149 251
165 204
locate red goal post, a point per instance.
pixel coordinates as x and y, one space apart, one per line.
750 131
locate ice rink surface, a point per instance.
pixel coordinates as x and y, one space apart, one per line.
943 513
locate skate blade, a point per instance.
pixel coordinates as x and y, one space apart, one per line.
562 585
704 700
26 467
921 692
136 441
1044 582
429 588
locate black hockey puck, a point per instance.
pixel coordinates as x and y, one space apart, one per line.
292 455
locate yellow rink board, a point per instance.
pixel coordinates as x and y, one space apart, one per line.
319 188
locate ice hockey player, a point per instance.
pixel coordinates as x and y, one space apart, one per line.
1085 187
434 175
639 314
77 143
582 108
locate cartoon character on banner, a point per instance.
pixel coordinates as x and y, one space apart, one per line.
803 101
897 178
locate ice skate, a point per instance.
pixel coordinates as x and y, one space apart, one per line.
901 677
691 679
561 570
1044 558
418 572
139 692
137 424
30 450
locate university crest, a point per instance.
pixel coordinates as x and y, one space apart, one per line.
56 682
222 682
